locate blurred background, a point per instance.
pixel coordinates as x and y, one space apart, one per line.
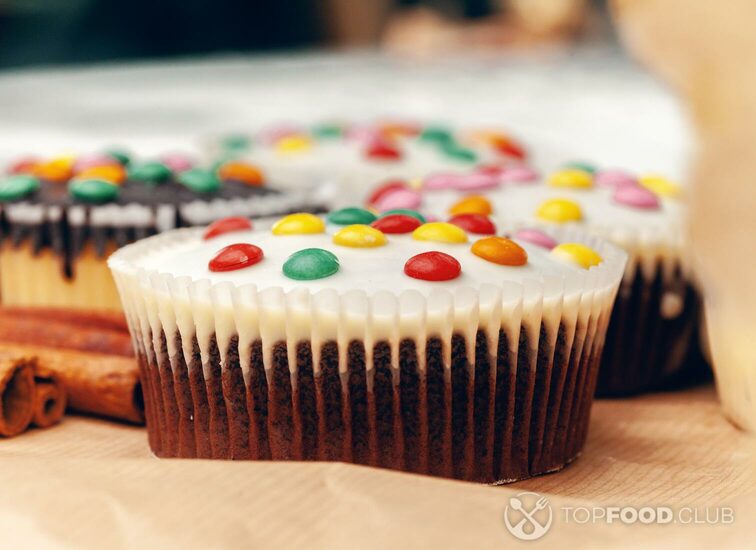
78 74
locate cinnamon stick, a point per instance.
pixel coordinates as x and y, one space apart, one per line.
16 394
49 398
29 329
96 383
99 319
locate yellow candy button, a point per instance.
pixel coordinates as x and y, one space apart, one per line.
559 211
660 186
500 250
474 204
299 224
113 173
58 170
578 254
293 144
571 177
440 232
359 236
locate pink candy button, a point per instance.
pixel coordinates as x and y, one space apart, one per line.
519 174
177 162
536 237
441 180
476 182
614 178
85 162
401 198
636 197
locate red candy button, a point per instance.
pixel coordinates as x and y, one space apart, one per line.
432 266
385 189
235 256
474 223
397 223
510 149
383 151
227 225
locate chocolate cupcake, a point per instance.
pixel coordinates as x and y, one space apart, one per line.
652 341
400 344
60 219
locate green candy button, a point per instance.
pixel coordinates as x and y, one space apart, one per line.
327 131
93 190
310 264
122 157
17 187
457 152
407 212
199 180
351 215
235 142
584 166
150 172
436 134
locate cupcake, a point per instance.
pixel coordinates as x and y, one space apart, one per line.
339 158
652 338
386 341
61 218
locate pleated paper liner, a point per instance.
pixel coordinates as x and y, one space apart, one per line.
491 385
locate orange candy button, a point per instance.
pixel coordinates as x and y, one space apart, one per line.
474 204
241 171
500 250
113 173
57 170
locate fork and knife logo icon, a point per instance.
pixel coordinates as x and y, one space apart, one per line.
528 516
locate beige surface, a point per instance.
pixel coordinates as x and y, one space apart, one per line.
90 483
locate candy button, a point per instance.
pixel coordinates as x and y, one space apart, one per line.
241 171
294 144
396 224
384 189
359 236
199 180
407 212
91 161
559 211
536 237
383 151
298 224
477 224
120 156
440 232
440 181
457 152
24 165
57 170
113 173
227 225
571 177
150 172
519 174
17 187
509 148
636 197
432 266
614 178
93 190
582 166
235 256
476 182
473 204
578 254
660 185
327 131
235 142
500 250
351 216
400 198
310 264
177 162
436 134
399 129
